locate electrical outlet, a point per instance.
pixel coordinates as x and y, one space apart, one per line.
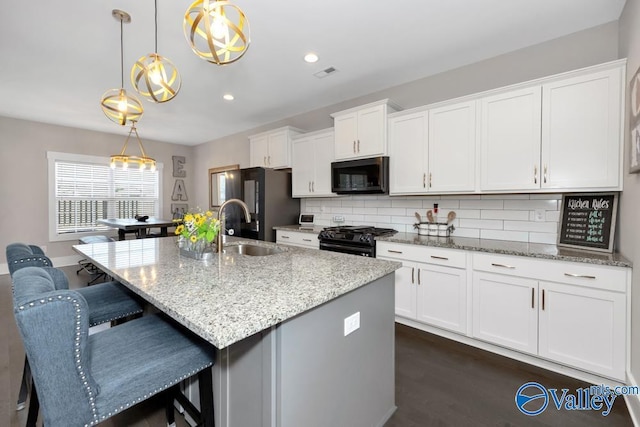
351 323
539 215
338 218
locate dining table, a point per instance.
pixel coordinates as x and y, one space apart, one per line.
140 228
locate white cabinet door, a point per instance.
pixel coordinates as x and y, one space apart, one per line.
505 311
302 170
408 154
510 140
581 131
346 135
279 146
259 149
372 128
442 297
406 290
323 148
452 147
584 328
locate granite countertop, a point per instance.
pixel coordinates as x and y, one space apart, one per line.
534 250
231 297
302 229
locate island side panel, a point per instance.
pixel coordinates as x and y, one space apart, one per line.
325 378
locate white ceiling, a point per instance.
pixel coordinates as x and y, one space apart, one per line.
58 58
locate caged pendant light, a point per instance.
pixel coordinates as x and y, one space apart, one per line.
217 31
117 104
154 76
126 160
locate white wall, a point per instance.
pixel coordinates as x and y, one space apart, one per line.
504 217
628 230
23 175
581 49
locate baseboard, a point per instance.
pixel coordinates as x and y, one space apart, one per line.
633 401
57 262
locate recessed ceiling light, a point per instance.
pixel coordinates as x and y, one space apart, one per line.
311 57
228 97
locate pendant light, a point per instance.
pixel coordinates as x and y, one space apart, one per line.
126 160
155 77
217 31
117 104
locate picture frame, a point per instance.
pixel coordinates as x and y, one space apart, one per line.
634 123
588 221
216 184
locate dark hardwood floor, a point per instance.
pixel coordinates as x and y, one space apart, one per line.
438 383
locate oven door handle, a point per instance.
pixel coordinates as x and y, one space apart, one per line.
346 249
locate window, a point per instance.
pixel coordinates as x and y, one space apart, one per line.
84 189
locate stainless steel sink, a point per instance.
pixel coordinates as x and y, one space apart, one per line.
251 250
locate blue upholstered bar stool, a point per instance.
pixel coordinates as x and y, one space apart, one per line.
108 302
82 379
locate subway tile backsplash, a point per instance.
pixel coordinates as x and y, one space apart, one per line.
517 217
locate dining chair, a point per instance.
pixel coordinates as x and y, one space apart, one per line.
81 379
108 302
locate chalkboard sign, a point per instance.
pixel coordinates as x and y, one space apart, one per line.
588 221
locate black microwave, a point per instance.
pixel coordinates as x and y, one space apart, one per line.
363 176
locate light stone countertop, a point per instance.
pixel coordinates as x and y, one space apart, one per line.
534 250
231 297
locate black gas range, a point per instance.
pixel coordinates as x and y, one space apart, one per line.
355 240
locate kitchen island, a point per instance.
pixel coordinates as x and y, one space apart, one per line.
281 325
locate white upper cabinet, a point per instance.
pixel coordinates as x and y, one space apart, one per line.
510 140
433 150
581 131
408 153
272 149
311 171
452 148
362 132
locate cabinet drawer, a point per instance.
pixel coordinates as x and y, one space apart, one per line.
577 273
424 254
297 238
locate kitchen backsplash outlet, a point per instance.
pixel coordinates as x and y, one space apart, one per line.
515 217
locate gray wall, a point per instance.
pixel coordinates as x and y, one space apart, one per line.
588 47
629 240
23 175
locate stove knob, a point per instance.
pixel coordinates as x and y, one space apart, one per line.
366 238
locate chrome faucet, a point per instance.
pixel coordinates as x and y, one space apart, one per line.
247 217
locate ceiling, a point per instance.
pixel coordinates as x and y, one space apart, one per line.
59 58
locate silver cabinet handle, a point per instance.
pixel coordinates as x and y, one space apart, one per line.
424 180
358 146
543 300
430 179
545 174
419 276
313 186
533 293
440 257
354 146
502 265
579 276
535 174
413 272
269 159
394 252
285 237
307 240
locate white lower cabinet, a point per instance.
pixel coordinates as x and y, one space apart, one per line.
430 291
570 313
298 238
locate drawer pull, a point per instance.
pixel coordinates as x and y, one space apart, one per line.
543 300
419 277
579 276
285 237
413 273
394 252
502 265
307 240
440 257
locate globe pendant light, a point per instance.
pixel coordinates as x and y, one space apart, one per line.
155 77
117 104
126 160
217 31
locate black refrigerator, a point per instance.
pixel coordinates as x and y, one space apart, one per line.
267 193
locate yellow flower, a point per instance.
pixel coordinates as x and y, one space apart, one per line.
179 229
188 218
209 214
193 239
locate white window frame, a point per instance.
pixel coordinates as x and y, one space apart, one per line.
52 157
